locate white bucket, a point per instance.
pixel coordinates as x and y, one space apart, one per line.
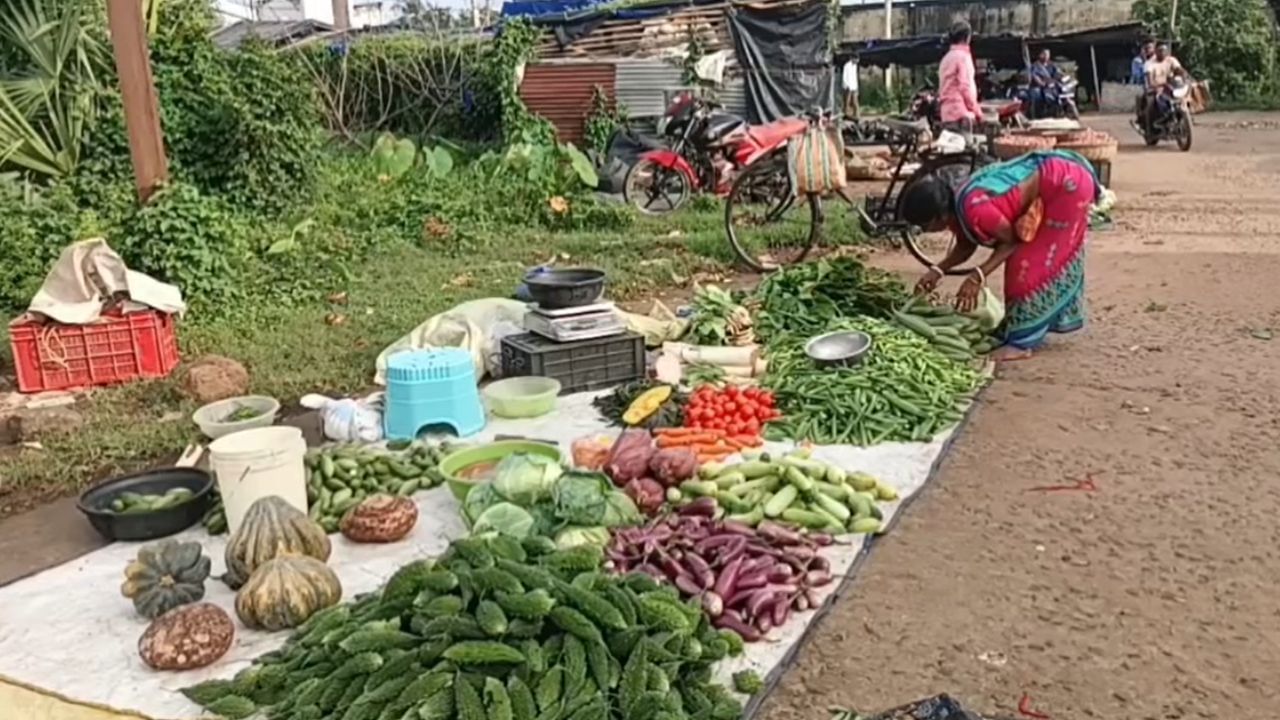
253 464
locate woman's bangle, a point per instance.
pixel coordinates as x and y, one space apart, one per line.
982 277
936 269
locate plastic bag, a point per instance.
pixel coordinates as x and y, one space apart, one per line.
348 419
990 310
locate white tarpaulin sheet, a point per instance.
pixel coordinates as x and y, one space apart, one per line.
67 630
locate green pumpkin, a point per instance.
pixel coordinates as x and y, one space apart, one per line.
283 592
271 528
164 576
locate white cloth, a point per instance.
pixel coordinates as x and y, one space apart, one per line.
711 67
88 276
348 420
849 77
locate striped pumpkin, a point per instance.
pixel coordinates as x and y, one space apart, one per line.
271 528
284 591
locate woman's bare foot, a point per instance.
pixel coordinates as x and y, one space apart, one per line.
1008 353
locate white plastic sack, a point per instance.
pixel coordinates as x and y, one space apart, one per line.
348 419
469 325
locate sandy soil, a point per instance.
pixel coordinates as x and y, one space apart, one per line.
1154 597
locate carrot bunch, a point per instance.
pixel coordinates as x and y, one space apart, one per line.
709 445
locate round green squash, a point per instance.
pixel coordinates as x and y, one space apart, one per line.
284 591
271 528
164 576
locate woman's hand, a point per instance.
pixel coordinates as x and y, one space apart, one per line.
929 281
970 289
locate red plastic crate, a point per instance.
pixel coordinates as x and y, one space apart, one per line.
52 356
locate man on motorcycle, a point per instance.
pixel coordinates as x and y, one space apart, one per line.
957 84
1044 77
1160 69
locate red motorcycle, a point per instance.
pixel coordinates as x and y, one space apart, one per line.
708 149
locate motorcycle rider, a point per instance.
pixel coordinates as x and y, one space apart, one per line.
1044 76
957 82
1160 69
1145 55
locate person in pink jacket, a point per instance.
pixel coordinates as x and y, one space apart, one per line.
957 85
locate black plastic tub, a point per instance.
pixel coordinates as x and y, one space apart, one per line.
570 287
95 503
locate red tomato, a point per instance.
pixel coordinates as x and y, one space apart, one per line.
751 393
730 406
753 426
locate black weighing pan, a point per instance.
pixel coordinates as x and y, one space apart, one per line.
95 503
570 287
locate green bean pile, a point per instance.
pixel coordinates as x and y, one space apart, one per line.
904 390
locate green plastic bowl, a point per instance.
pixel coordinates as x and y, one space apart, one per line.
493 452
522 397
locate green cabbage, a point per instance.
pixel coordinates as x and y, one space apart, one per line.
525 479
581 498
575 536
505 518
479 498
620 510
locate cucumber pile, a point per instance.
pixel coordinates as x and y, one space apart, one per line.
340 477
958 337
794 489
496 629
132 503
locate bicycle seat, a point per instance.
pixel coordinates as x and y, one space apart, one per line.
906 127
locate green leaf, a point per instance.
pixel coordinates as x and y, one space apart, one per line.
582 165
439 162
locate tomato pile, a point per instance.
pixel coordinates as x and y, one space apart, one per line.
737 411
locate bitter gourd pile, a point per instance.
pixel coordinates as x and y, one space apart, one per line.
495 629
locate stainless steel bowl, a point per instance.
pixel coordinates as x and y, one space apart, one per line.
843 348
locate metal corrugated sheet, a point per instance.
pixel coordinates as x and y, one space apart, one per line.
733 95
644 86
561 93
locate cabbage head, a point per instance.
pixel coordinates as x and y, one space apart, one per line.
525 479
581 498
479 498
620 510
505 518
573 536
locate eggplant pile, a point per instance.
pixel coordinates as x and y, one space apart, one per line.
748 579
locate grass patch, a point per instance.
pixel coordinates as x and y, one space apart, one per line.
291 350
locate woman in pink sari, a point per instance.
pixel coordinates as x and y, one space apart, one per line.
1033 212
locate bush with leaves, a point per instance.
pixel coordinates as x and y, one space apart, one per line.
603 119
35 224
1231 42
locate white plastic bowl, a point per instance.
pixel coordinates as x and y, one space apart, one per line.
212 418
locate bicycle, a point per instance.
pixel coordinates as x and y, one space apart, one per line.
791 227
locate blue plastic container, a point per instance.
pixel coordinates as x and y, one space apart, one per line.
431 387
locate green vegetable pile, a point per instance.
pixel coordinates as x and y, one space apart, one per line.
534 495
959 337
132 503
340 477
496 629
612 405
805 299
904 391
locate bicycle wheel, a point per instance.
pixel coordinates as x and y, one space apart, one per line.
653 189
768 226
929 248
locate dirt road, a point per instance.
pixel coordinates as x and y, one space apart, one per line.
1155 597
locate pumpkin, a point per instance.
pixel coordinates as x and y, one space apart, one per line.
187 637
270 528
283 592
164 576
380 519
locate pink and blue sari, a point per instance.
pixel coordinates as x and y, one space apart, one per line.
1044 278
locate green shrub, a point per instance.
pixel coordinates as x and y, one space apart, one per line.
1230 42
35 226
192 240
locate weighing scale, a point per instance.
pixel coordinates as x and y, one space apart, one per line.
576 323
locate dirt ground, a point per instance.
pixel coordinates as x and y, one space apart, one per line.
1154 597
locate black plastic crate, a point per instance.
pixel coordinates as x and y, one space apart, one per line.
579 366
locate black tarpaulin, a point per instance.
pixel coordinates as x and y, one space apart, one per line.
785 59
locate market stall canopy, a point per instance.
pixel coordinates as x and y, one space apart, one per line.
1005 49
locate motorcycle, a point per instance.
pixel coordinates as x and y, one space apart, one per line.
1172 116
708 149
1063 105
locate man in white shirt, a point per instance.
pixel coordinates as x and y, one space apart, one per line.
849 83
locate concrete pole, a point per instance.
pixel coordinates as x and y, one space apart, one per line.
888 34
1173 21
341 16
138 91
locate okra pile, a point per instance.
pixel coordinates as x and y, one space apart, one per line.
904 390
495 629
